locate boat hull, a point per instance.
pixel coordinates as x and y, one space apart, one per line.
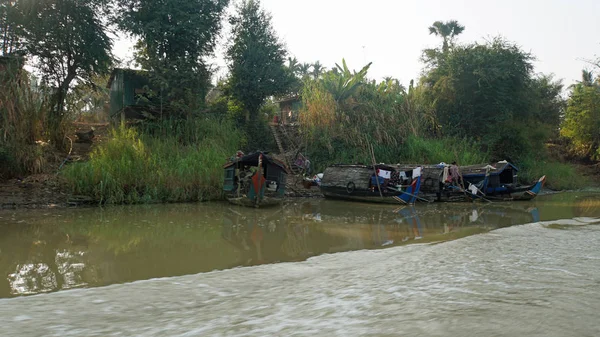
366 198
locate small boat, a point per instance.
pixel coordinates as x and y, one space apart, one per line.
255 180
499 182
380 183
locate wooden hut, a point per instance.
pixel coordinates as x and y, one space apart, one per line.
255 180
289 108
131 95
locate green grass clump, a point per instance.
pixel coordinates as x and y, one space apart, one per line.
559 176
133 167
434 151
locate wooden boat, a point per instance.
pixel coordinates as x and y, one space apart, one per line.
359 183
498 182
255 180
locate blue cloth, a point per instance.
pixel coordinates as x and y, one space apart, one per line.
374 182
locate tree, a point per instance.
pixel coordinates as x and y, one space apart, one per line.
256 58
318 69
488 92
304 69
68 42
293 65
176 37
448 30
343 83
582 118
9 40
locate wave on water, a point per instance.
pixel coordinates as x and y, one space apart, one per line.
530 280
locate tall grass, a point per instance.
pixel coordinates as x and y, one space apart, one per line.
23 123
449 149
413 150
134 167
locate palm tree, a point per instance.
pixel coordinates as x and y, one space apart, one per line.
293 64
448 31
587 78
304 69
318 69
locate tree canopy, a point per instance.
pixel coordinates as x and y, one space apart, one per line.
256 58
582 118
447 30
176 37
489 92
68 41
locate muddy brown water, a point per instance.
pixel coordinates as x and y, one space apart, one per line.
352 269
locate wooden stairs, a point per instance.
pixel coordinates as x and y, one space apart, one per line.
288 149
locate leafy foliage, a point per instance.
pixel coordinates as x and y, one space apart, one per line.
488 92
582 118
175 39
256 58
10 41
447 31
69 42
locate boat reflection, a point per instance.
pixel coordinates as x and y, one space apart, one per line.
314 228
63 249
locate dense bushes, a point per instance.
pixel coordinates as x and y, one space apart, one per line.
170 162
582 119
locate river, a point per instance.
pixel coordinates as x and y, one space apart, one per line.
309 268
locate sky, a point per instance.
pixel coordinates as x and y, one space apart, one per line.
561 34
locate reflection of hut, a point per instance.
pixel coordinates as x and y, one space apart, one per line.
289 109
131 96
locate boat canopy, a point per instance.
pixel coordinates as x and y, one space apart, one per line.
494 170
252 160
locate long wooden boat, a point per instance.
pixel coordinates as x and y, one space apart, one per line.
497 182
255 180
360 183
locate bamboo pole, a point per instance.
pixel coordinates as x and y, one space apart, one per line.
375 169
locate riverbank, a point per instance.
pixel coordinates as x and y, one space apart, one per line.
43 191
46 191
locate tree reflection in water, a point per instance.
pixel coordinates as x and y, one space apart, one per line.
54 250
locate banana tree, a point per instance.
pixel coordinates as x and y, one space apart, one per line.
343 83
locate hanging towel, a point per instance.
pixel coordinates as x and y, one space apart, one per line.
445 174
385 174
416 172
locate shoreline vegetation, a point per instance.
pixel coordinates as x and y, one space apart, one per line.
475 103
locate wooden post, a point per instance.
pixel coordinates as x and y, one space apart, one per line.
375 169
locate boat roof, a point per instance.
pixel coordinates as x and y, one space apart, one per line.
470 170
495 169
252 160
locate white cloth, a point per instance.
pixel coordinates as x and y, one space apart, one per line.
474 216
385 174
403 175
445 174
416 172
473 189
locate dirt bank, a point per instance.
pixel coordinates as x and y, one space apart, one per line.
36 191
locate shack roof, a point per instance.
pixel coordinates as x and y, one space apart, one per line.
113 74
288 99
252 160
